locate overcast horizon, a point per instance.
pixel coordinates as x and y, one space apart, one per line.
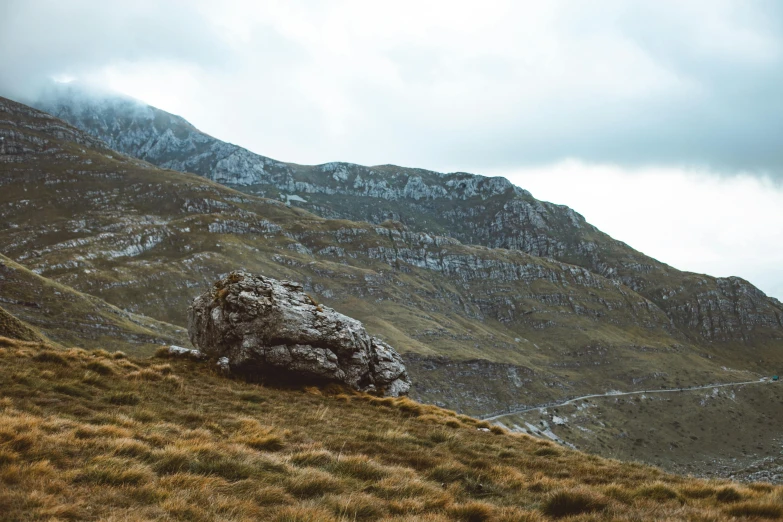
660 122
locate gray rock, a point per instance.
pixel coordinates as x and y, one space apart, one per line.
259 326
179 351
223 365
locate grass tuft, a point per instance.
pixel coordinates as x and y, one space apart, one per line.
359 467
311 482
254 397
566 503
472 511
547 451
51 357
100 367
115 472
315 458
355 506
91 378
658 492
303 514
729 494
124 398
697 491
265 442
766 510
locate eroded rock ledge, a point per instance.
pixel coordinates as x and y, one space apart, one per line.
272 329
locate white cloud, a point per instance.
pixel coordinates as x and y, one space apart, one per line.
495 83
691 219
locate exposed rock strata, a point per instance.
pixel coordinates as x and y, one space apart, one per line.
272 328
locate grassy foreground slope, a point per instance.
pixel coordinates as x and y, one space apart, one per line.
93 435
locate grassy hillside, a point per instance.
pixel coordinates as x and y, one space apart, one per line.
731 431
36 304
13 328
88 435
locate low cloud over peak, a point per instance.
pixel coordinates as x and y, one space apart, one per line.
494 84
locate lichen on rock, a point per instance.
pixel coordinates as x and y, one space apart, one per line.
273 329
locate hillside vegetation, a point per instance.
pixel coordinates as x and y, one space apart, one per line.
36 305
731 431
88 435
12 327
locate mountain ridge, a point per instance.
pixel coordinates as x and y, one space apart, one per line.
150 249
495 213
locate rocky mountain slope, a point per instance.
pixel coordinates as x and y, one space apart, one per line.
482 330
472 209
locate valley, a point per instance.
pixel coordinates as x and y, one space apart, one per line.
726 430
615 393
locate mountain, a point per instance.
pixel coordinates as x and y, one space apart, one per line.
148 240
483 330
472 209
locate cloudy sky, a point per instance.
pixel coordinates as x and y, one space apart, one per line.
660 121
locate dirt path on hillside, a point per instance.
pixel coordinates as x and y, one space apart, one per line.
764 380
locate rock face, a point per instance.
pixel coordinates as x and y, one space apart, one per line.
271 328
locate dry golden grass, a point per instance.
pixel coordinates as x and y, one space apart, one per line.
96 435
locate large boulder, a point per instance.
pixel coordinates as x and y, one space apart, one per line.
272 329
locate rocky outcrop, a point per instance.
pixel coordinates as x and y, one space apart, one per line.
182 352
273 329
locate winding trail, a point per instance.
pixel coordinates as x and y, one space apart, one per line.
764 380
